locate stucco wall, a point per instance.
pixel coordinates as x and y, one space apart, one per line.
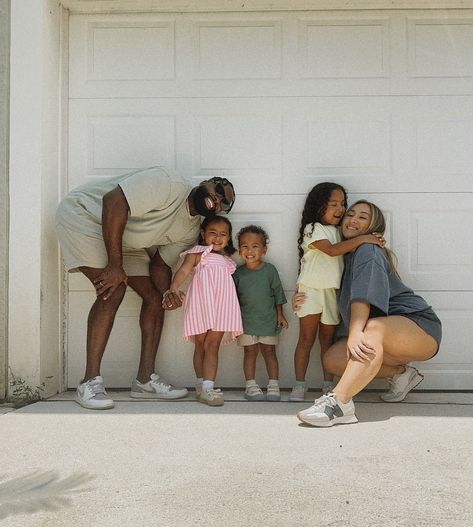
4 130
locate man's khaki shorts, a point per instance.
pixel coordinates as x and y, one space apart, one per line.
320 301
249 340
82 250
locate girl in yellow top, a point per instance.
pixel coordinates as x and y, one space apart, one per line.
321 253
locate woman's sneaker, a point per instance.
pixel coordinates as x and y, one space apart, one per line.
327 411
298 394
254 393
198 389
401 384
272 393
92 395
156 388
212 397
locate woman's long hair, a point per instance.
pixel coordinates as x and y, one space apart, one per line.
378 224
315 207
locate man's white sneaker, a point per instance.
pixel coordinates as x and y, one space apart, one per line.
327 411
212 397
298 394
401 384
156 388
92 395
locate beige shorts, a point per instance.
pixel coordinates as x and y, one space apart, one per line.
82 250
249 340
320 301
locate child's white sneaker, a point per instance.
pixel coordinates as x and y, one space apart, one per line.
328 411
401 384
211 397
198 389
254 393
298 394
272 393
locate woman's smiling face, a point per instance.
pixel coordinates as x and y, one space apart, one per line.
356 221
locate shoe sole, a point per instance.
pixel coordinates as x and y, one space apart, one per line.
107 406
148 395
294 400
255 397
273 398
346 420
212 403
415 381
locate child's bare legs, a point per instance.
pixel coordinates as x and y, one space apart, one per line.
249 361
211 346
199 355
269 355
308 326
326 334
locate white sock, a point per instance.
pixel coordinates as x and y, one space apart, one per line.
251 382
208 385
273 382
199 380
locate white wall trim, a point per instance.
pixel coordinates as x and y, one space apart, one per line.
34 300
136 6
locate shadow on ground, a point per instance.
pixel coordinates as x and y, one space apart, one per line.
365 411
38 492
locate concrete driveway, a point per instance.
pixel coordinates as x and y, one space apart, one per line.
184 464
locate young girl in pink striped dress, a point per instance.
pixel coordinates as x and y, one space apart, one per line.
211 309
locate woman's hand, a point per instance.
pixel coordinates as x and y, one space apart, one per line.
358 349
108 280
172 299
298 298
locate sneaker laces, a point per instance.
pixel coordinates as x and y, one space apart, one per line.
96 388
326 400
254 389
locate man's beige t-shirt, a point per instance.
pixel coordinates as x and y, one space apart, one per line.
158 216
319 270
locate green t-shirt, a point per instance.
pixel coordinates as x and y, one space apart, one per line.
259 291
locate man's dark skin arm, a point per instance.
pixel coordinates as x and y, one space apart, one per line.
114 217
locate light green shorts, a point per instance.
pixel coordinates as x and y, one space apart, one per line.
320 301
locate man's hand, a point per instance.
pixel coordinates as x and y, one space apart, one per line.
108 280
172 299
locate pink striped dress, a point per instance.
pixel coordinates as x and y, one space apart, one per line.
211 299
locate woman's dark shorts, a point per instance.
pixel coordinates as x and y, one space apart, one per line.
429 322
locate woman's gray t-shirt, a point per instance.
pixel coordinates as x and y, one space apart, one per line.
368 278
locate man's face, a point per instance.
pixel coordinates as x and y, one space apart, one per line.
211 198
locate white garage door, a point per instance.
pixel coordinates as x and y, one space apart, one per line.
380 101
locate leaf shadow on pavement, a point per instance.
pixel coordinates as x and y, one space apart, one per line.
40 491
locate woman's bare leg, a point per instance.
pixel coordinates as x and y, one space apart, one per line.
397 341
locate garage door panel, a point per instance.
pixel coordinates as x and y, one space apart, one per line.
426 232
328 53
379 101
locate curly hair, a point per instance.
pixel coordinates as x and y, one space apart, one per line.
230 248
315 207
254 229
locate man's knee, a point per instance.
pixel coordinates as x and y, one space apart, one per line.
114 300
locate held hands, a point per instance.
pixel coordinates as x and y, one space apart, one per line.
358 349
108 280
173 299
